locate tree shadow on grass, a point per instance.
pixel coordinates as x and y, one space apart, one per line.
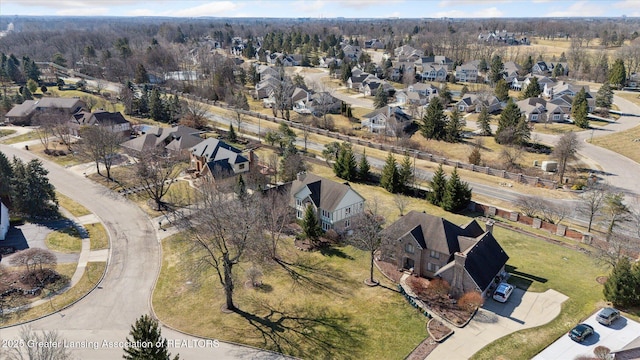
333 251
309 331
316 276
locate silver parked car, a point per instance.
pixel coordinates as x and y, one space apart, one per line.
607 316
502 293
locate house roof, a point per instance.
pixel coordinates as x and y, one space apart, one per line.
156 136
324 193
531 104
214 150
485 259
631 351
61 103
299 94
21 110
436 233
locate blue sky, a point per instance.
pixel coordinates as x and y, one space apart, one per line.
325 8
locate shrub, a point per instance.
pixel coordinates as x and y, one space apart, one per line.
471 300
332 235
601 352
439 286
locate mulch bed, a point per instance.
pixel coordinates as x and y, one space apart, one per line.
423 350
438 330
389 270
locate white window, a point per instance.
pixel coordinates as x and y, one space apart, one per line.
556 116
299 202
409 248
534 117
299 214
433 267
347 223
326 226
347 210
434 254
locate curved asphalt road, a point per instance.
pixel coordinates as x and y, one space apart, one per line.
106 314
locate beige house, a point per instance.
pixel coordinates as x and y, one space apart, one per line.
467 257
335 203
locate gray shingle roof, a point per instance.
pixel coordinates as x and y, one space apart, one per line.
325 194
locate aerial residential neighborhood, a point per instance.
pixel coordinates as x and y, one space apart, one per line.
335 180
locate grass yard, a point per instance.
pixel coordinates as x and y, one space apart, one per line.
98 236
66 240
538 266
4 132
626 143
99 102
64 160
20 138
92 274
333 315
634 97
71 206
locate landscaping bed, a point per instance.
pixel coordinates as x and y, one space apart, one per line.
438 331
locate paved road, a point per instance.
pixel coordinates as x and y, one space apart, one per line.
107 313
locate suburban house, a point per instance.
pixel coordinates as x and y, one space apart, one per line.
177 139
4 220
467 257
351 51
631 351
22 114
467 72
265 87
423 89
475 102
511 69
217 160
334 203
434 73
356 79
373 44
437 60
385 119
504 37
407 53
540 110
114 121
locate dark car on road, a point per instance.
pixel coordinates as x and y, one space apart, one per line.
581 332
607 316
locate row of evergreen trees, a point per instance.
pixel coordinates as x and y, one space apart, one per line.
450 194
25 187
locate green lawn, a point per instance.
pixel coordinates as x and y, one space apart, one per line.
20 138
92 274
66 240
331 315
98 236
73 207
538 266
4 132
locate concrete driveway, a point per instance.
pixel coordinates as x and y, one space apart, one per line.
525 309
615 337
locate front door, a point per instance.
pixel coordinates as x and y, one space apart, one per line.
409 263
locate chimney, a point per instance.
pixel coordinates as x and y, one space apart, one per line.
301 176
457 287
489 226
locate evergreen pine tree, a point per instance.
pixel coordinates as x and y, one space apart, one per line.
580 110
507 125
620 287
528 65
381 100
232 136
475 157
363 167
241 188
453 128
618 74
532 90
433 122
496 69
156 106
484 122
457 194
502 90
310 227
345 166
405 172
6 175
390 179
31 189
438 185
146 331
604 97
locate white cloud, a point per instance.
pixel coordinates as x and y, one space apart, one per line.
214 8
94 11
454 3
482 13
361 4
306 6
488 13
579 8
627 4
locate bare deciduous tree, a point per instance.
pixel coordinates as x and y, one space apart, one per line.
157 170
401 203
368 235
274 206
29 336
34 259
222 239
591 202
530 205
564 151
100 145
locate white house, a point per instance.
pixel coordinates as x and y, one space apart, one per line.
385 119
4 221
334 203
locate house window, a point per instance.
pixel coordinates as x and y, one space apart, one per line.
433 267
241 166
434 254
347 210
299 202
534 117
299 214
347 223
556 117
409 248
326 226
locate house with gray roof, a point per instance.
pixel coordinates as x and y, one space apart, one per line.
22 114
467 257
177 139
334 203
114 121
216 160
